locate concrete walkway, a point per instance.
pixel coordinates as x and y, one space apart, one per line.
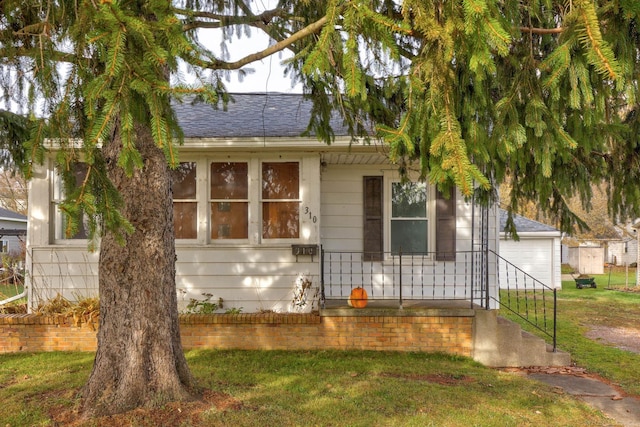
598 394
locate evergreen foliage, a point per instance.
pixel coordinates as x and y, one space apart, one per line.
543 93
467 92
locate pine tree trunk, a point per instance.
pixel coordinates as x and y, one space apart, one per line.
139 360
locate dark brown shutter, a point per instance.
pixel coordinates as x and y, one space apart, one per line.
373 218
446 227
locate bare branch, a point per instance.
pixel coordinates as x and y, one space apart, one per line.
216 20
542 30
279 46
29 53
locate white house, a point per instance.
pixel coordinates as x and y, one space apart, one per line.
257 206
13 232
625 251
537 254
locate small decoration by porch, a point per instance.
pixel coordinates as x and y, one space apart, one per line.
303 291
358 298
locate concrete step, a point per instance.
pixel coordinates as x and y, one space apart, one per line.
531 350
503 343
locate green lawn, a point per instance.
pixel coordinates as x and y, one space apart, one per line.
617 277
316 388
8 290
248 388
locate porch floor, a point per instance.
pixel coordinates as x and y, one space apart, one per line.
388 307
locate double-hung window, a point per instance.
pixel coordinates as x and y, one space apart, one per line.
185 203
409 222
229 200
61 227
280 200
252 201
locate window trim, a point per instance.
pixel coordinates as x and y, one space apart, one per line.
209 201
261 200
254 201
391 177
195 200
56 218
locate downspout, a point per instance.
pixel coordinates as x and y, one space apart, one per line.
14 298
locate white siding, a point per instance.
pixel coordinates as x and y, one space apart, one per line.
538 257
70 271
622 253
250 278
253 277
342 230
342 206
256 275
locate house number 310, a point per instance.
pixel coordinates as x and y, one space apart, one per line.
312 217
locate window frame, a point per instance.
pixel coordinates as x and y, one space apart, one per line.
57 220
194 200
261 200
209 201
389 180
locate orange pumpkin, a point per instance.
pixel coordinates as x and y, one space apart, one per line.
358 298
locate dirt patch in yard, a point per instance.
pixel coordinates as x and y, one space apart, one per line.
171 414
622 338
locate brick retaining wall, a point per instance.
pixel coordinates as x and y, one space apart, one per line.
441 332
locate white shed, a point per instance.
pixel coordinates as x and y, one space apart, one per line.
537 253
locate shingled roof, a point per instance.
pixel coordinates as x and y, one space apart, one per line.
525 225
250 115
6 214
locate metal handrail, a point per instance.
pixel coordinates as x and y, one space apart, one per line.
528 298
404 276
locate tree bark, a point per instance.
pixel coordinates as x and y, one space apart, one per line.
139 359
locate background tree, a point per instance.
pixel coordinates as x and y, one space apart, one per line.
466 91
13 191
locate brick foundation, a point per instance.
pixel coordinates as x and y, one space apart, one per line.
438 332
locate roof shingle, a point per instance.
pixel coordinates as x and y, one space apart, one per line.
250 115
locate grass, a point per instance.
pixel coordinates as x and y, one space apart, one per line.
617 277
581 309
8 290
350 388
274 388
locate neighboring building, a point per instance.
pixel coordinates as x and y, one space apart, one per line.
587 259
258 207
13 232
625 251
537 253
